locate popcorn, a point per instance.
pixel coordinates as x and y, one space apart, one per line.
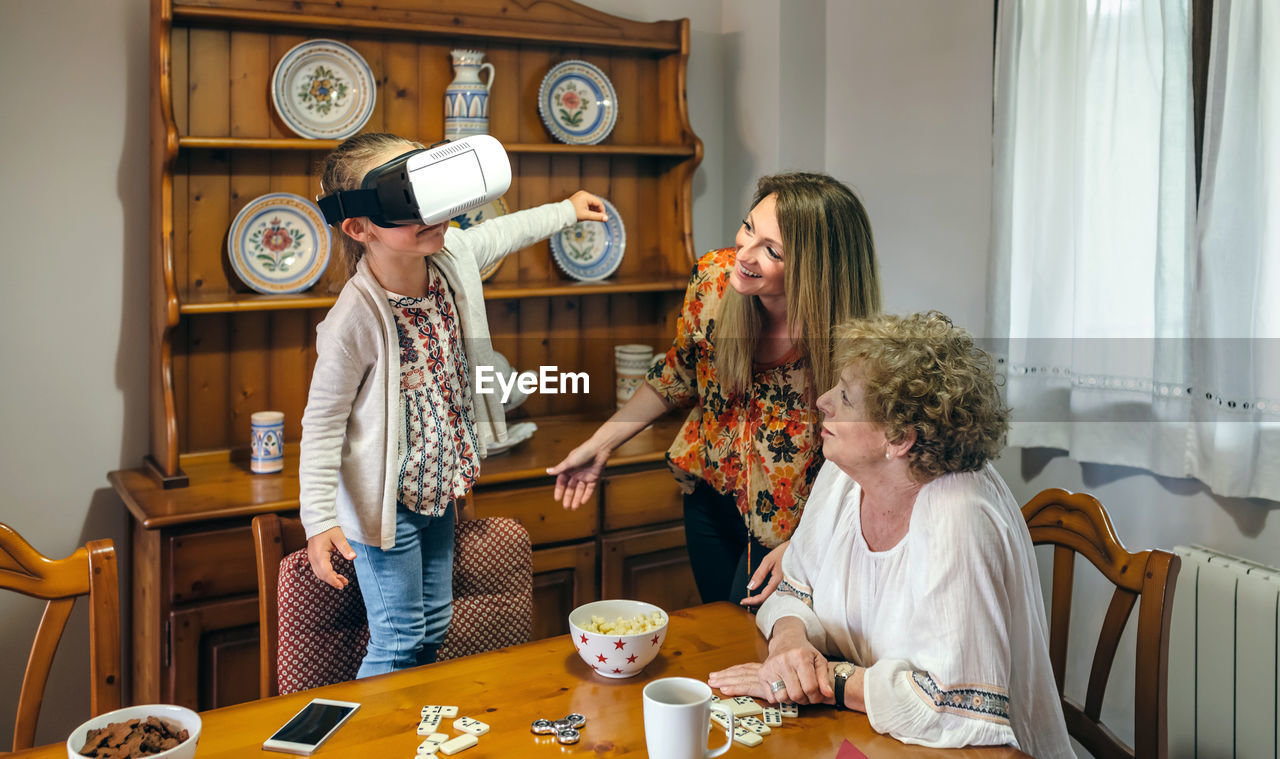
623 626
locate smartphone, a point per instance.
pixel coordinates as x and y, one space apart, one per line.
310 727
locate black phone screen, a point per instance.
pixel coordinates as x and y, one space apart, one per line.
313 723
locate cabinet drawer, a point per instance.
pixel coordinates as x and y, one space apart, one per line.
545 519
212 564
640 498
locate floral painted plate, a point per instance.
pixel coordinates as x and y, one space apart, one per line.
324 90
591 250
469 219
279 243
577 102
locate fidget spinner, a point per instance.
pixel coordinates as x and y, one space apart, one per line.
566 730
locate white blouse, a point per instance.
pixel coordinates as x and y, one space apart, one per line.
949 623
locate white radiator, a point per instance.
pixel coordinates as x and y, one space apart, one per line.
1224 658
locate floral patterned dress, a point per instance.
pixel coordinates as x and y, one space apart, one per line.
765 450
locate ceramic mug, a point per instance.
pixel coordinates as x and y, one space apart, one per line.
266 442
630 363
677 714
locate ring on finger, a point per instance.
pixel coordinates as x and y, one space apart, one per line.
776 686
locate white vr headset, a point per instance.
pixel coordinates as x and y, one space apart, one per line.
426 186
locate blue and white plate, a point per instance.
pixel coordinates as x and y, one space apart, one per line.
324 90
577 102
279 243
591 250
469 219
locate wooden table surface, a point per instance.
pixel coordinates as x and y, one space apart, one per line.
510 688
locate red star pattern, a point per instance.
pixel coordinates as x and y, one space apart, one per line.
654 640
617 671
619 645
631 659
601 658
584 638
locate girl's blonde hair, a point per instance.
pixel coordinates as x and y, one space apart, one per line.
344 169
829 272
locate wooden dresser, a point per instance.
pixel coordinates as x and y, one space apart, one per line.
220 352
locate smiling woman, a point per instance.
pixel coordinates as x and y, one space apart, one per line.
751 351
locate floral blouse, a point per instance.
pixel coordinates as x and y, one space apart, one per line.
438 448
764 450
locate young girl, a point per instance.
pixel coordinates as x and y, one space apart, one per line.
392 433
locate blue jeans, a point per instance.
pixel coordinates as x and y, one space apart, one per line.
408 592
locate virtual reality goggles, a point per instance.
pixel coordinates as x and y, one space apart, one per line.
426 186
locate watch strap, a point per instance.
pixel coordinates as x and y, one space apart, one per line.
841 679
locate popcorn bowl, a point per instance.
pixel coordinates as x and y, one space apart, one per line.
616 654
179 716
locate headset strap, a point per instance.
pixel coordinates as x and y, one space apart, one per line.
349 204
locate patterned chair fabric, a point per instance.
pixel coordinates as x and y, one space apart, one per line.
323 631
492 587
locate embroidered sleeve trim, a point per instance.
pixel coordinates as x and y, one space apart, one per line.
791 590
985 702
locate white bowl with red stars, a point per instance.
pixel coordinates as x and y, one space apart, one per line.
616 655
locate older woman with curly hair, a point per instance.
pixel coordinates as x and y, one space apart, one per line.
910 589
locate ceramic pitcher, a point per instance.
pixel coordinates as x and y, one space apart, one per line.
466 99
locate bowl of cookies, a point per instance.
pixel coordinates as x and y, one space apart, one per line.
617 638
151 730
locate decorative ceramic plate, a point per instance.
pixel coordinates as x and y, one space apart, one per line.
577 102
516 434
324 90
279 243
591 250
469 219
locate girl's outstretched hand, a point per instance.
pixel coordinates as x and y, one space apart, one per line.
318 547
588 206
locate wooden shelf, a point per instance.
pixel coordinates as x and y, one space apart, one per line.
222 487
224 302
312 14
514 148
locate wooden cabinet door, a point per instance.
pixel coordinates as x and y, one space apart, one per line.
648 565
214 649
564 578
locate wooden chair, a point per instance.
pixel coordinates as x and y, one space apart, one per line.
1078 523
492 605
90 571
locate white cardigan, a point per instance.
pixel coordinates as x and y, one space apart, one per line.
949 622
348 451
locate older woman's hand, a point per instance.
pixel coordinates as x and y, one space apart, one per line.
741 680
795 662
770 568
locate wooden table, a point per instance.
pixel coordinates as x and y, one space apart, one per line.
510 688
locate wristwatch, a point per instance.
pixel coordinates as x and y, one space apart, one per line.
842 672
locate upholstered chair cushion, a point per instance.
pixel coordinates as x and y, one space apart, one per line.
492 587
323 630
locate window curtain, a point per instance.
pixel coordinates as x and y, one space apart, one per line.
1104 286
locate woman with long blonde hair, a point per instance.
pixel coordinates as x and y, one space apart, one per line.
751 353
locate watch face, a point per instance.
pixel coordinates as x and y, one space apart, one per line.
844 669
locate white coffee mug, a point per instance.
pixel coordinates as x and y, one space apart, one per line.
677 718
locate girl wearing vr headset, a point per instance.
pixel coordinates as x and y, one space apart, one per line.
752 352
392 433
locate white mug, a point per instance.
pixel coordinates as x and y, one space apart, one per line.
631 363
266 442
677 718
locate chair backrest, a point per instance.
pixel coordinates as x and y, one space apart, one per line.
1077 523
311 634
90 571
492 587
492 602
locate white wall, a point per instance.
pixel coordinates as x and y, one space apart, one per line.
73 205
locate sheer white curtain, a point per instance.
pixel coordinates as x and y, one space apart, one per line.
1236 440
1102 288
